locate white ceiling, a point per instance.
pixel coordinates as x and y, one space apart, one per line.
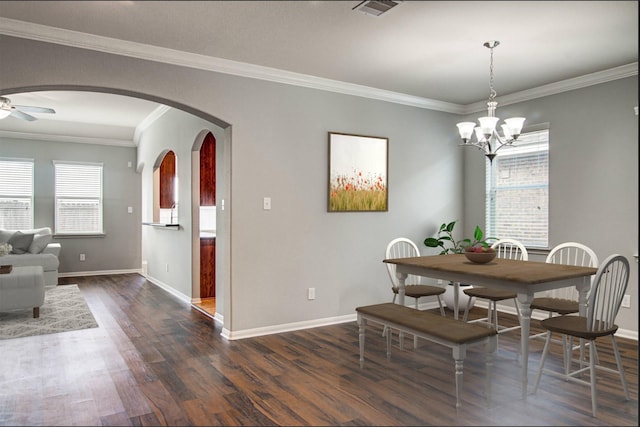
429 50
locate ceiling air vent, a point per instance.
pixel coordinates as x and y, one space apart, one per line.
376 7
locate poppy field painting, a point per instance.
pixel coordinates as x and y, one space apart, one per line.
358 168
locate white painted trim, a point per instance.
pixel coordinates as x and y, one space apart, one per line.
27 30
148 121
288 327
182 297
559 87
100 273
66 138
219 319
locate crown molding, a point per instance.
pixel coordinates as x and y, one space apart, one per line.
148 121
616 73
66 138
28 30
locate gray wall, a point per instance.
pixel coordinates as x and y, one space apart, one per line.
593 143
276 147
119 249
180 132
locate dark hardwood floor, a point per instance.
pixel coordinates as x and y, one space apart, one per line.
155 360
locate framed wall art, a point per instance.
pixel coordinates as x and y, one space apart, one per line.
358 169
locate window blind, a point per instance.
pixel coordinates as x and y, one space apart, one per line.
517 191
16 194
78 198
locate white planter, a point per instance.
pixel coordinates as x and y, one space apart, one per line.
463 299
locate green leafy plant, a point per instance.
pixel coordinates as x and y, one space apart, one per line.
445 238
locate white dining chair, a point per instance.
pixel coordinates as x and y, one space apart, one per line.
506 249
607 291
406 248
564 301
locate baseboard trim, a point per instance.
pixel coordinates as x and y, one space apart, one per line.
308 324
100 272
278 329
538 315
182 297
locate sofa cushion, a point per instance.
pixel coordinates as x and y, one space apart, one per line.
40 241
49 262
20 242
5 235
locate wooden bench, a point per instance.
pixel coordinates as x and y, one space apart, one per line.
455 334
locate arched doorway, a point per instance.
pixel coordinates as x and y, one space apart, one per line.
223 138
205 221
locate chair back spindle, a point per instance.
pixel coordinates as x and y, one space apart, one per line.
510 249
571 253
610 285
402 248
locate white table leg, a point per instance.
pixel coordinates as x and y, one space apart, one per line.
401 279
524 302
401 290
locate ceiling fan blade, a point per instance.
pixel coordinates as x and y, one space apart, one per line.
20 115
32 109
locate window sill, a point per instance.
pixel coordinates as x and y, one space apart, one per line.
162 225
79 235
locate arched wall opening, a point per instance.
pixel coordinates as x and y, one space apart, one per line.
224 234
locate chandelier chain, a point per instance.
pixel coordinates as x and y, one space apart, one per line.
492 91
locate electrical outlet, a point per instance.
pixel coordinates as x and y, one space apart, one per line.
626 301
311 293
82 257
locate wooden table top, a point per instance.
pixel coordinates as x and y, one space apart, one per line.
526 272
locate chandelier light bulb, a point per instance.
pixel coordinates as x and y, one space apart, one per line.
515 125
466 130
488 125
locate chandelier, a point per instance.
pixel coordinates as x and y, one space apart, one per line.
487 137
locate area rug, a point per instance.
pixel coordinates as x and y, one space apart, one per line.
64 309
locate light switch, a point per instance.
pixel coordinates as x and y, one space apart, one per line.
130 209
266 203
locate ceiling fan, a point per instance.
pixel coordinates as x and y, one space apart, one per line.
18 111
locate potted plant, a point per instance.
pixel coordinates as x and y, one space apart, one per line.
444 240
445 235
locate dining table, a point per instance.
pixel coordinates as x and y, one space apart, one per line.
524 278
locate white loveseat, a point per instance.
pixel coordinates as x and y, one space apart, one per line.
40 251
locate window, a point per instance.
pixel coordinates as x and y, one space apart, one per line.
16 194
517 191
165 189
78 198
